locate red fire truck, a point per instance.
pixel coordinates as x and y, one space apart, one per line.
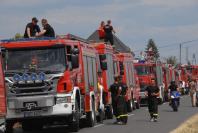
147 70
2 89
126 68
47 80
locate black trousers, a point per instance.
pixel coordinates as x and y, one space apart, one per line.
109 38
153 107
122 109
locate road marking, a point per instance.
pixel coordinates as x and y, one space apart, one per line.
99 125
130 115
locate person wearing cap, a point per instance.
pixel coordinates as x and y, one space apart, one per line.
152 92
32 28
47 31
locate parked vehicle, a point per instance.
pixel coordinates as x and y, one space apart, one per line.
50 80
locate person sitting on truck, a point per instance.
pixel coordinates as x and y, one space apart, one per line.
47 31
152 92
32 28
108 28
101 31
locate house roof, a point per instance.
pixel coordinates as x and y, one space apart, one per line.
119 45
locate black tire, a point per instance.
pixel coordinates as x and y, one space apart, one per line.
175 106
109 112
75 125
91 116
137 104
129 106
100 116
134 107
9 126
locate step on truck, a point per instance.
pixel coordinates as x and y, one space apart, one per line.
50 81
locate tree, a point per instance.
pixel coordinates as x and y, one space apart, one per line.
172 60
18 36
151 46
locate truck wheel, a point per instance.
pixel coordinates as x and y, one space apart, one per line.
109 112
101 116
9 126
129 106
75 123
134 105
137 104
91 116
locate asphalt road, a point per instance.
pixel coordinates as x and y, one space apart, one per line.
138 121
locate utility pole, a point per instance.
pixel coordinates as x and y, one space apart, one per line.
180 45
186 55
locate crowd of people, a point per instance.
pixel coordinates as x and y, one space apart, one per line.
118 88
32 29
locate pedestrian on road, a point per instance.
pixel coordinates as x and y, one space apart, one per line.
114 93
47 31
32 28
193 89
152 92
108 28
121 103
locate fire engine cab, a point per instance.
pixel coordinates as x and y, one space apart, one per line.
50 79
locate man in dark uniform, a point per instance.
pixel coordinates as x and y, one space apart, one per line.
108 28
47 31
152 92
32 28
114 92
121 103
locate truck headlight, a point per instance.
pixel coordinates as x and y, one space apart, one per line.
66 99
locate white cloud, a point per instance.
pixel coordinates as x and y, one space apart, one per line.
20 2
170 3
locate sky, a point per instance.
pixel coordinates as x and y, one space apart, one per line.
167 22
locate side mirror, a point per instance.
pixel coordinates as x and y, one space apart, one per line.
103 62
103 65
75 51
102 57
121 72
75 61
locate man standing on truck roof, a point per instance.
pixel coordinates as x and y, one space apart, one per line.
47 31
152 92
32 28
108 28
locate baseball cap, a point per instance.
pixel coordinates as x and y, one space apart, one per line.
35 19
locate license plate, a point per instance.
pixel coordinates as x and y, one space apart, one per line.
32 113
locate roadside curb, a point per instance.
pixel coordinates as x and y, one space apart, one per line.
189 126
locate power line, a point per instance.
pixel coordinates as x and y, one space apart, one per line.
171 45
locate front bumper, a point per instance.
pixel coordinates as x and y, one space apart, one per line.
45 109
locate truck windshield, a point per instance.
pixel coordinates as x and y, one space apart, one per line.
142 70
49 60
